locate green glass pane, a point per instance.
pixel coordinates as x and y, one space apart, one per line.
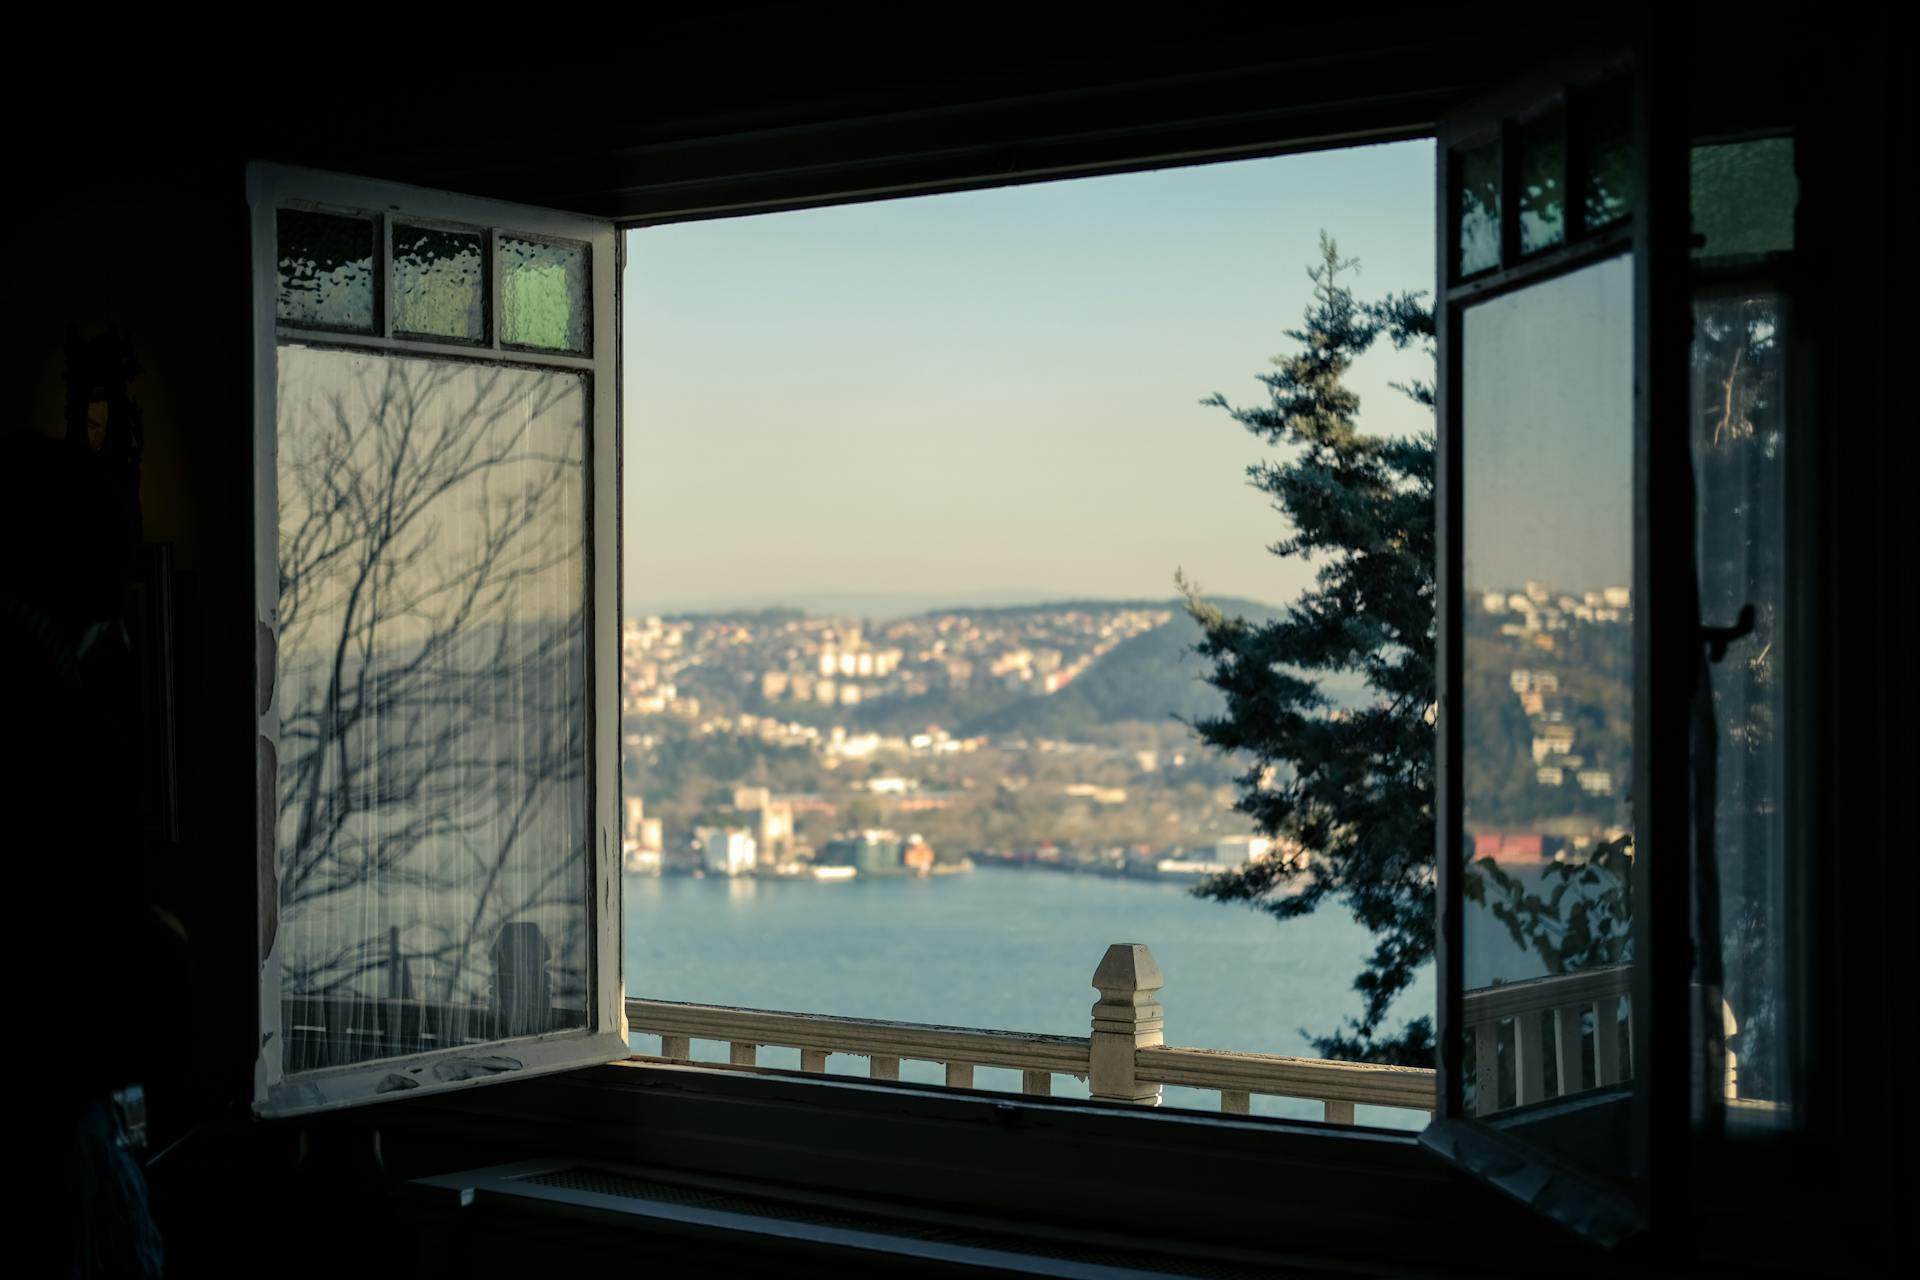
1743 197
543 295
439 283
1478 208
1605 122
326 270
1543 182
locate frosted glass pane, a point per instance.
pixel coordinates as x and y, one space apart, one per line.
1605 121
439 283
433 835
1744 195
543 295
1477 191
326 270
1543 182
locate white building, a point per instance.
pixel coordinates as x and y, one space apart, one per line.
728 851
1238 851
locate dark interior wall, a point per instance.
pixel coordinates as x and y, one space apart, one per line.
158 255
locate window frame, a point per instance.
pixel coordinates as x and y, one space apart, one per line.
271 187
983 1119
1657 1137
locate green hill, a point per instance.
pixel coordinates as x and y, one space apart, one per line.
1153 677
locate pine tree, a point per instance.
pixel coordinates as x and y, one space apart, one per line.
1352 789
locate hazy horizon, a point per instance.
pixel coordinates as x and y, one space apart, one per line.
991 398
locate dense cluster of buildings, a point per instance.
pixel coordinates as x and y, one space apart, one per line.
796 682
1538 612
835 662
1567 751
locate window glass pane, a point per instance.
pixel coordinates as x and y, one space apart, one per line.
1743 197
1740 456
1543 169
1547 687
1477 186
543 295
439 283
1605 121
433 833
326 270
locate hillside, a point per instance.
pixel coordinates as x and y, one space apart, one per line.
1153 677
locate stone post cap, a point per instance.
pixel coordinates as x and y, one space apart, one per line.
1126 968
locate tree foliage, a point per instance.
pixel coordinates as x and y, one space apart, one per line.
1352 789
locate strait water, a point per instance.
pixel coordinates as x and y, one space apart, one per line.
1004 949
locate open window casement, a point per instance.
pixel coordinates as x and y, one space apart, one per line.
436 554
1567 649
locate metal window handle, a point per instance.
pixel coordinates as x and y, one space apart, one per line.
1718 638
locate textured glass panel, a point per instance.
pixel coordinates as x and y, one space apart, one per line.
1605 122
543 295
1477 184
1743 197
1543 182
439 283
434 842
1546 702
326 270
1743 1066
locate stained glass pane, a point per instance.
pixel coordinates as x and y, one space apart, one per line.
1605 122
439 283
326 270
1543 181
1743 197
543 295
1477 183
434 842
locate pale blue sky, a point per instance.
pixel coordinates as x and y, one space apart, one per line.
991 394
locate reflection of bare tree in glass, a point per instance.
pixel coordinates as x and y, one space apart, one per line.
433 728
1739 444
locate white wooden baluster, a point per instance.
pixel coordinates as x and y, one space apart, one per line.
1529 1064
880 1067
1606 1041
960 1075
742 1054
1038 1084
1235 1102
1730 1027
1126 1019
814 1060
1486 1068
1569 1055
679 1048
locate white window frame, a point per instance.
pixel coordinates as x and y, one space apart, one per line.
269 188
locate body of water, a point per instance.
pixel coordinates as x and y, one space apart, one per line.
1004 949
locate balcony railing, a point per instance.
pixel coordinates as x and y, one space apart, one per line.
1122 1058
1548 1020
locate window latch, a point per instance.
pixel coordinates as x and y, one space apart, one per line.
1718 638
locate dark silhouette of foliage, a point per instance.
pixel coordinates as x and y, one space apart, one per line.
1352 789
1585 919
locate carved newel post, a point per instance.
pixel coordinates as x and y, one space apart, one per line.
1126 1017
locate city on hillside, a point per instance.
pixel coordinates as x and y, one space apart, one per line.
1057 736
775 743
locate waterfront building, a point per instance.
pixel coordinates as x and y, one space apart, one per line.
727 851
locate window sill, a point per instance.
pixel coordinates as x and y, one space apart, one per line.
1188 1184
